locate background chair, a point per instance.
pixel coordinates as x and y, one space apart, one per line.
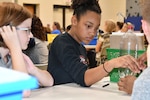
101 57
51 37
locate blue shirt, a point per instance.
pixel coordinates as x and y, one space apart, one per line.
56 32
141 88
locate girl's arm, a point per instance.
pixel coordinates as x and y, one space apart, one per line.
93 75
10 38
43 76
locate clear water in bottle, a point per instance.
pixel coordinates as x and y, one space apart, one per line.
128 46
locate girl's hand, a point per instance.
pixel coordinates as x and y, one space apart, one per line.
126 84
141 60
126 61
10 37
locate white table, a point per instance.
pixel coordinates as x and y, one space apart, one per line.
76 92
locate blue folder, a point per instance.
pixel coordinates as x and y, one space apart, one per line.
12 84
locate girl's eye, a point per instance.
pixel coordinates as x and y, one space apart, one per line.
88 26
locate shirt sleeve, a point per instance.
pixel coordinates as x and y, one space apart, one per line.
141 88
72 62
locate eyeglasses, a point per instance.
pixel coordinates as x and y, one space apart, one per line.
24 29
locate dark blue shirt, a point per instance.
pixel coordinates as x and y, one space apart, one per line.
67 60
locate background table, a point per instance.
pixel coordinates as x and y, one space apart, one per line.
90 46
76 92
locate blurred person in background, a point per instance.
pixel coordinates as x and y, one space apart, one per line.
56 28
104 39
127 26
48 29
119 26
38 53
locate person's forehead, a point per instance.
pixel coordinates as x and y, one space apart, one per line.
90 16
26 23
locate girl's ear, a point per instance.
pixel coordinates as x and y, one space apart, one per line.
145 27
74 20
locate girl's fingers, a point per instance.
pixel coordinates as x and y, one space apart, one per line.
131 63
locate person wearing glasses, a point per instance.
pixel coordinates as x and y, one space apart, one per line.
15 26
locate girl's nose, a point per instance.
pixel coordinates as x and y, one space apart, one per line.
93 33
30 35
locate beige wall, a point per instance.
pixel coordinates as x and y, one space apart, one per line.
7 0
110 8
44 10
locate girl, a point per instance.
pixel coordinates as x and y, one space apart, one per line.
67 59
15 26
